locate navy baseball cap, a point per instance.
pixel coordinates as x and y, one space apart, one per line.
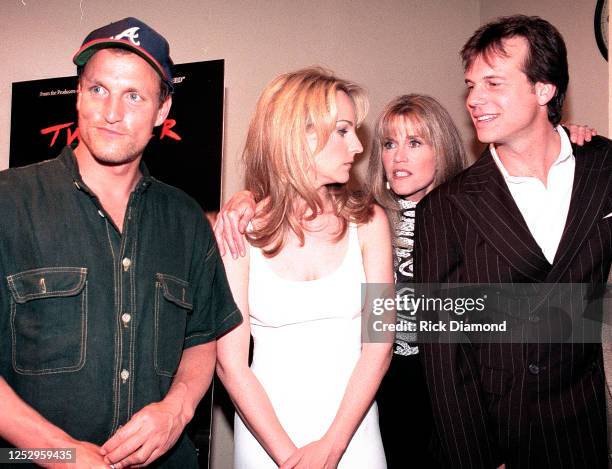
135 36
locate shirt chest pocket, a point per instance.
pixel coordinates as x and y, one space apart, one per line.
48 320
173 302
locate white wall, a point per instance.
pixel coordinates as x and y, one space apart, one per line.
587 98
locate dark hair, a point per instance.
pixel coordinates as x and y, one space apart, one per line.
164 89
546 60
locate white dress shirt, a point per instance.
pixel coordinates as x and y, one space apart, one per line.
544 208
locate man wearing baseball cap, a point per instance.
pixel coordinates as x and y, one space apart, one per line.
112 293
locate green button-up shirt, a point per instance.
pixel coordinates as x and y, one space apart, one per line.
93 321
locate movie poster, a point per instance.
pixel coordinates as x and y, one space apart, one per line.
185 151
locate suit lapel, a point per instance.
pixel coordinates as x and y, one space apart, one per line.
590 192
488 204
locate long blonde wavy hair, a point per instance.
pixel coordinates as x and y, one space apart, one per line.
279 161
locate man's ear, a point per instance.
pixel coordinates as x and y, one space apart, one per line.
78 100
545 92
163 111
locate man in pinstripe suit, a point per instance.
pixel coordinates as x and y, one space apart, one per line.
532 209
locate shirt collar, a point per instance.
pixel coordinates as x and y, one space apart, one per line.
68 159
565 154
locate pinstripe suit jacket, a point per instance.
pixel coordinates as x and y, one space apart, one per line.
491 407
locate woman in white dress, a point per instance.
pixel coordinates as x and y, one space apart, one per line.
308 398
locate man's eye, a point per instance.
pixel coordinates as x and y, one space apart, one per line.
134 97
96 89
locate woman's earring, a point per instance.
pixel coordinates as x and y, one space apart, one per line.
388 185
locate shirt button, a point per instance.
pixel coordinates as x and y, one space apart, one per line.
125 318
535 319
125 374
126 262
534 369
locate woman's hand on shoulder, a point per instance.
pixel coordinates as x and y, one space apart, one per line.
579 134
232 221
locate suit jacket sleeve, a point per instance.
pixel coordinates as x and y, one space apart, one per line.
452 377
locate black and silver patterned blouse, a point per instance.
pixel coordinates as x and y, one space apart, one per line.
403 247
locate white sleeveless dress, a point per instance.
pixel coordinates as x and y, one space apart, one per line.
307 340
